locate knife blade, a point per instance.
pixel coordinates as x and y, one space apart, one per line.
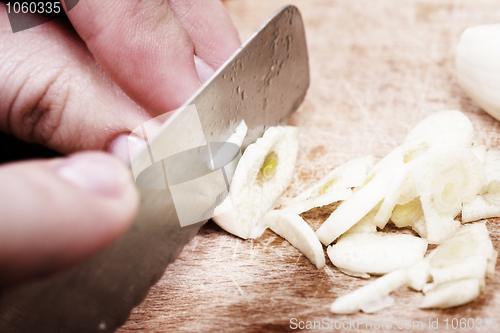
264 82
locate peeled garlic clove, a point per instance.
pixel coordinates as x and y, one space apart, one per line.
319 201
453 293
294 229
376 253
347 175
376 290
478 67
440 130
263 173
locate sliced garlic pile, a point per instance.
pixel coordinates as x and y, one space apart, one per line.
437 172
457 269
422 183
263 173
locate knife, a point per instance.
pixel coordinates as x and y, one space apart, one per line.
263 83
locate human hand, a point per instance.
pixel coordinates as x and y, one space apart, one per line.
84 85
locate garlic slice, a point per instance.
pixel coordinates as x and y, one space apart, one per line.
376 253
492 164
450 128
479 209
477 66
469 241
420 273
480 152
319 201
360 203
395 187
376 290
453 293
378 304
347 175
446 179
487 204
366 224
471 267
336 186
408 214
263 173
294 229
355 274
458 267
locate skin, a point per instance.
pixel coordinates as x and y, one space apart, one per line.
81 85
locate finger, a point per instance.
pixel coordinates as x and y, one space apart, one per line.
204 70
57 213
208 24
143 47
53 92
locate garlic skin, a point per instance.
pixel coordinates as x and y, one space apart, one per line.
478 66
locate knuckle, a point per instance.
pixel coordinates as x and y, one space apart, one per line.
155 14
37 110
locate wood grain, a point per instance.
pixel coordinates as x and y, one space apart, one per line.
377 68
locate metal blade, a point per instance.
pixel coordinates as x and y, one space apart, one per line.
263 83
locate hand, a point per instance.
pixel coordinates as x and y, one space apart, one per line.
84 84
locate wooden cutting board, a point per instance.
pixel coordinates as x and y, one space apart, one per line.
377 68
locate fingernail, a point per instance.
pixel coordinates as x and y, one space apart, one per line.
127 146
204 71
97 172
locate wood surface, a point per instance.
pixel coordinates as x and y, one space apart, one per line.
377 68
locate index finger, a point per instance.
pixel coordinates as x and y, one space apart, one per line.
143 47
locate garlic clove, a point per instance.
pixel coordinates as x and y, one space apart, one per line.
478 67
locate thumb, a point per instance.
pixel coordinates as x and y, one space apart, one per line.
56 213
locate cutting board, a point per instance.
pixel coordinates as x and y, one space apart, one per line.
377 68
